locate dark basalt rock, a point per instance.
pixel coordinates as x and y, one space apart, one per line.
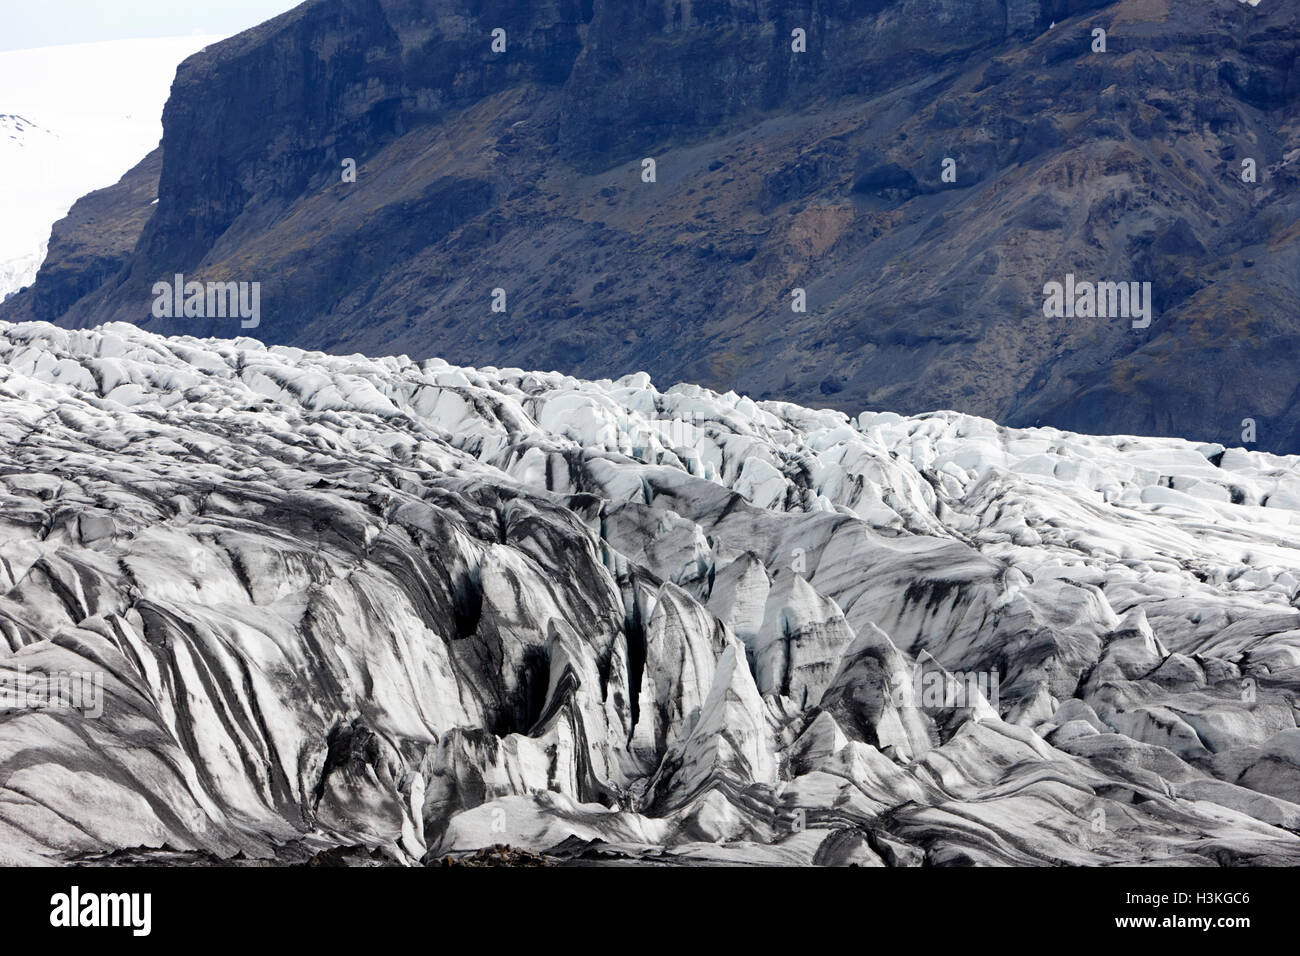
776 170
494 856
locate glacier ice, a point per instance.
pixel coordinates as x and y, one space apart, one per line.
73 119
422 609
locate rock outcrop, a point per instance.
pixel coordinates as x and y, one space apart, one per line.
775 170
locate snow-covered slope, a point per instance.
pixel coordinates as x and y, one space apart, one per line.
74 119
422 609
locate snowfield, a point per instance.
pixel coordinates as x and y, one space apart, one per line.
417 609
73 119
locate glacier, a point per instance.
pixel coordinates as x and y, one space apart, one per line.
73 119
411 610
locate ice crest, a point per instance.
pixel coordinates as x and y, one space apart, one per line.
423 609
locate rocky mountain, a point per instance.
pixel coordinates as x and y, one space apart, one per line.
261 604
18 268
74 118
775 170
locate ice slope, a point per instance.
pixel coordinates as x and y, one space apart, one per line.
420 609
73 119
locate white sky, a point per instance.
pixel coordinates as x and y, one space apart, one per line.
40 23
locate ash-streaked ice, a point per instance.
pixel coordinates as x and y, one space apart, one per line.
412 610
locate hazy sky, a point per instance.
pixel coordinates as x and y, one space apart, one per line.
37 23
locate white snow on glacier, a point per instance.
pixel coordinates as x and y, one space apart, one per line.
418 609
73 119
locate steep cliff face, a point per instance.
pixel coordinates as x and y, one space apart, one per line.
775 170
74 119
257 121
657 69
97 238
